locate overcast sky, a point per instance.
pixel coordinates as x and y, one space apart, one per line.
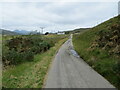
55 16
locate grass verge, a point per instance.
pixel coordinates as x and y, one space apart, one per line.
30 74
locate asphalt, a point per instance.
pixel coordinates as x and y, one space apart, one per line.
68 70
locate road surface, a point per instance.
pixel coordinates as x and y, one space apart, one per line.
68 70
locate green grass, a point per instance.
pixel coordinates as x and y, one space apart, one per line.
30 74
99 59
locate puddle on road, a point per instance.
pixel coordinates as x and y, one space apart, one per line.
74 53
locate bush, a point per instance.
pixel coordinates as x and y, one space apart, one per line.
21 49
13 57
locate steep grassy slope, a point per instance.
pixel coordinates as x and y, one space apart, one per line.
91 46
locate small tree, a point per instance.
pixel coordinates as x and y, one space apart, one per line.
46 33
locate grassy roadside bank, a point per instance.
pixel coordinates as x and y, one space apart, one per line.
30 74
99 58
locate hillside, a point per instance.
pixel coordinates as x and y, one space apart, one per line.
23 32
6 32
76 30
100 48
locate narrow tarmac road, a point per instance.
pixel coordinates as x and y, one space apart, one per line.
68 70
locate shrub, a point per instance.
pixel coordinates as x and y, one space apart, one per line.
23 48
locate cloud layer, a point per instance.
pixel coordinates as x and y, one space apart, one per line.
55 16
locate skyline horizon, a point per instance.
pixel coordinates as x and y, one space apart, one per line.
55 16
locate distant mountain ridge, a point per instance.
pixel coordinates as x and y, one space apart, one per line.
23 32
7 32
76 30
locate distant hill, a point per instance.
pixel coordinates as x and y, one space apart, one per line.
23 32
6 32
76 30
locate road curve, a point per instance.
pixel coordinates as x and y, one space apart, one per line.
68 70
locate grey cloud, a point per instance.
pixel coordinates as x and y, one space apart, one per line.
54 15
